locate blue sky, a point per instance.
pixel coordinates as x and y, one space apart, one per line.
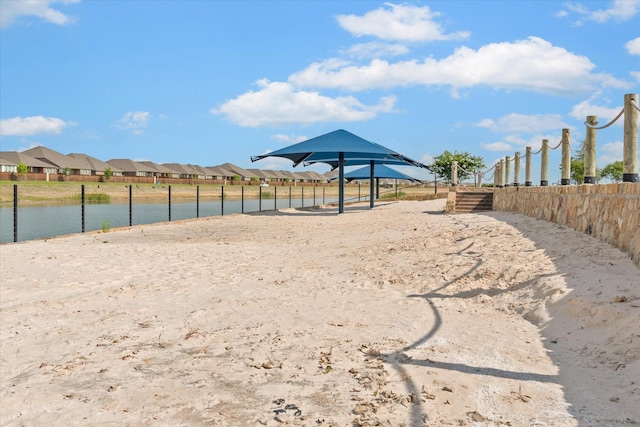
209 82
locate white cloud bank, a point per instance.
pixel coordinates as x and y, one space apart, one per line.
278 103
533 64
633 46
35 125
620 11
10 11
400 22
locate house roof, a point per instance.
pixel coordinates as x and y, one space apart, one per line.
156 167
55 158
128 165
93 163
14 158
237 170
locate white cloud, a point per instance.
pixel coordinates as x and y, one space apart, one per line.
134 120
524 123
588 108
290 139
34 125
533 64
376 50
620 10
633 46
609 153
279 103
399 22
11 10
497 146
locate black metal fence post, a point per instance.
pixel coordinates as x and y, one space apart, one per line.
314 196
289 197
15 213
242 200
197 201
259 199
82 202
130 205
275 198
302 188
323 195
169 203
222 201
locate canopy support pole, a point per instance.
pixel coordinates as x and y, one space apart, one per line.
341 182
371 185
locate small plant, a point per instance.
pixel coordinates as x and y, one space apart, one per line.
106 226
266 195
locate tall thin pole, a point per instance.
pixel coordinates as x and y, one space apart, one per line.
15 213
371 184
341 182
630 163
527 168
566 157
590 152
544 169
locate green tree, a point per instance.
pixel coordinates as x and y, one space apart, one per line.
577 170
613 171
108 173
22 169
467 164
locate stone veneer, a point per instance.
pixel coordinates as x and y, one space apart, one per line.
609 212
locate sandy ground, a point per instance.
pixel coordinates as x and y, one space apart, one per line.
396 316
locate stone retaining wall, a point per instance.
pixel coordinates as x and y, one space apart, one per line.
609 212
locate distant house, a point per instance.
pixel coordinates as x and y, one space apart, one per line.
9 161
62 163
220 173
132 168
182 170
244 174
160 171
96 166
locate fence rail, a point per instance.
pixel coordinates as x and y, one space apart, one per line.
193 201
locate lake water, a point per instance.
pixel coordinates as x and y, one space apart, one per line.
49 221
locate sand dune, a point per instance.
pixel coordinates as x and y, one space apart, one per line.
399 316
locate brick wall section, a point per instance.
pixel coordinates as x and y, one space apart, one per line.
609 212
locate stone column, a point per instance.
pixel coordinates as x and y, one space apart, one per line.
507 170
516 170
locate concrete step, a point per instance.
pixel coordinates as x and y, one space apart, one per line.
469 201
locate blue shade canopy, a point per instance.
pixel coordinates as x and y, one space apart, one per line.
327 148
379 171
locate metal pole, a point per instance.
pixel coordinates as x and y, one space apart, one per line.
169 203
630 163
289 197
590 152
302 188
222 201
15 213
275 198
197 201
371 184
82 202
259 199
130 206
341 182
323 199
314 196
